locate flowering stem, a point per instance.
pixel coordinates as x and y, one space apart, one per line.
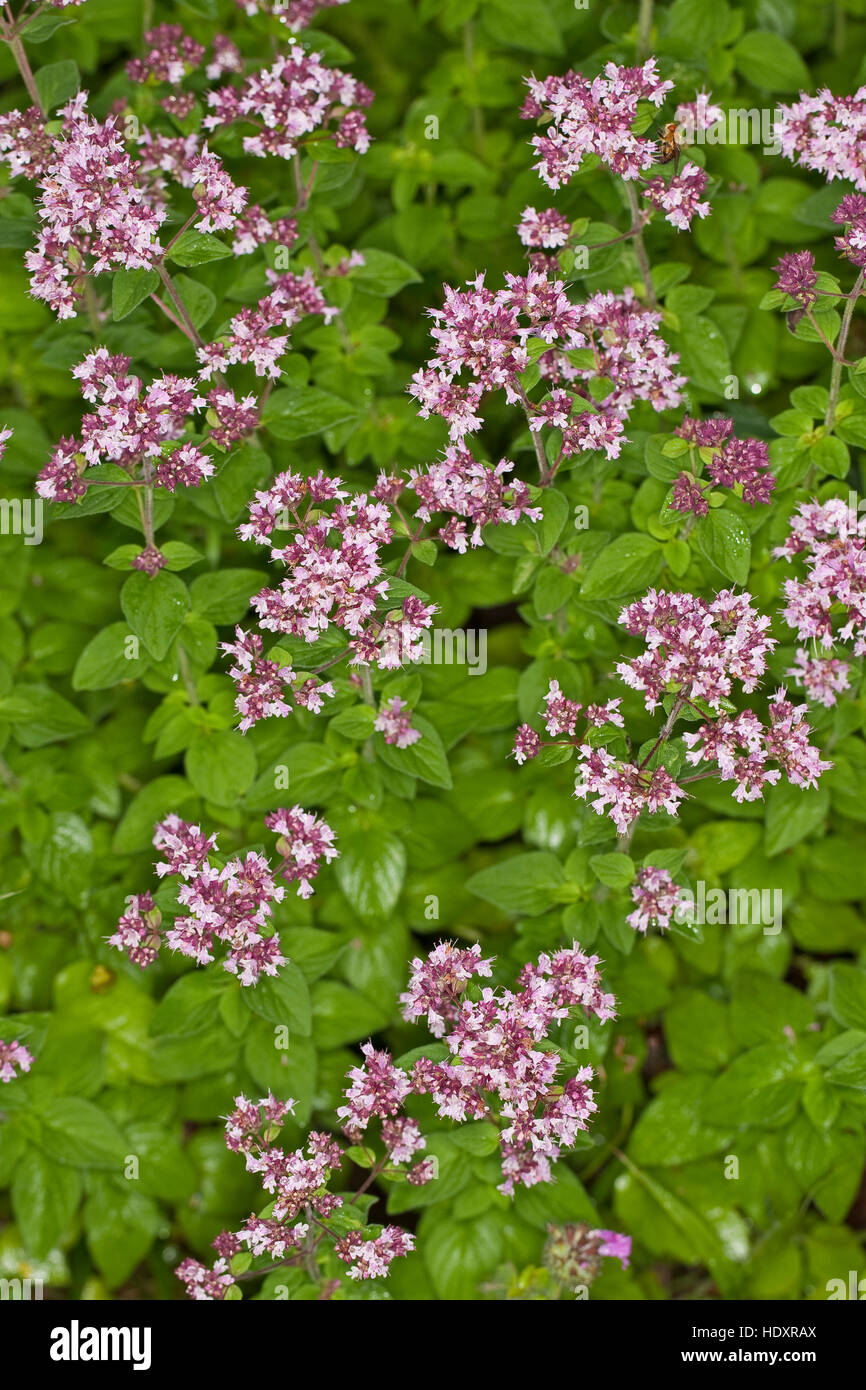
544 472
179 305
639 248
836 374
666 728
180 231
370 1178
16 48
826 341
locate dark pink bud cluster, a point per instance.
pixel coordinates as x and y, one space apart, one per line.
740 464
796 276
851 214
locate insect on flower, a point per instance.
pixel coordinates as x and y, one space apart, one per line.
669 146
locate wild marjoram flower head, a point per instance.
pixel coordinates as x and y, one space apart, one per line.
826 133
229 902
697 652
596 118
130 425
94 210
828 606
497 1072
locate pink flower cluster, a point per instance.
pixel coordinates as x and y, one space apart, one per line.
730 462
596 118
482 339
655 896
295 14
828 606
473 493
95 213
14 1057
695 648
741 747
336 575
231 903
286 103
129 424
826 133
300 1203
250 337
394 722
497 1071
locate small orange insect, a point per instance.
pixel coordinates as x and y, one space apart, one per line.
669 146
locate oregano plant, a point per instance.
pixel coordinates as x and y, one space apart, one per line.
432 613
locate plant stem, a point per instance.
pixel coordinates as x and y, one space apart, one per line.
639 248
179 305
16 48
644 29
841 343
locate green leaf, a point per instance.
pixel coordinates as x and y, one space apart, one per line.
523 24
848 995
196 248
370 871
221 765
300 411
223 596
151 804
45 1198
614 870
75 1131
343 1015
457 1254
39 715
383 273
832 456
525 884
155 609
282 999
129 288
57 83
758 1088
109 658
425 759
792 814
121 1224
770 63
724 541
629 564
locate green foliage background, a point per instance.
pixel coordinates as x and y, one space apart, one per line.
737 1043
